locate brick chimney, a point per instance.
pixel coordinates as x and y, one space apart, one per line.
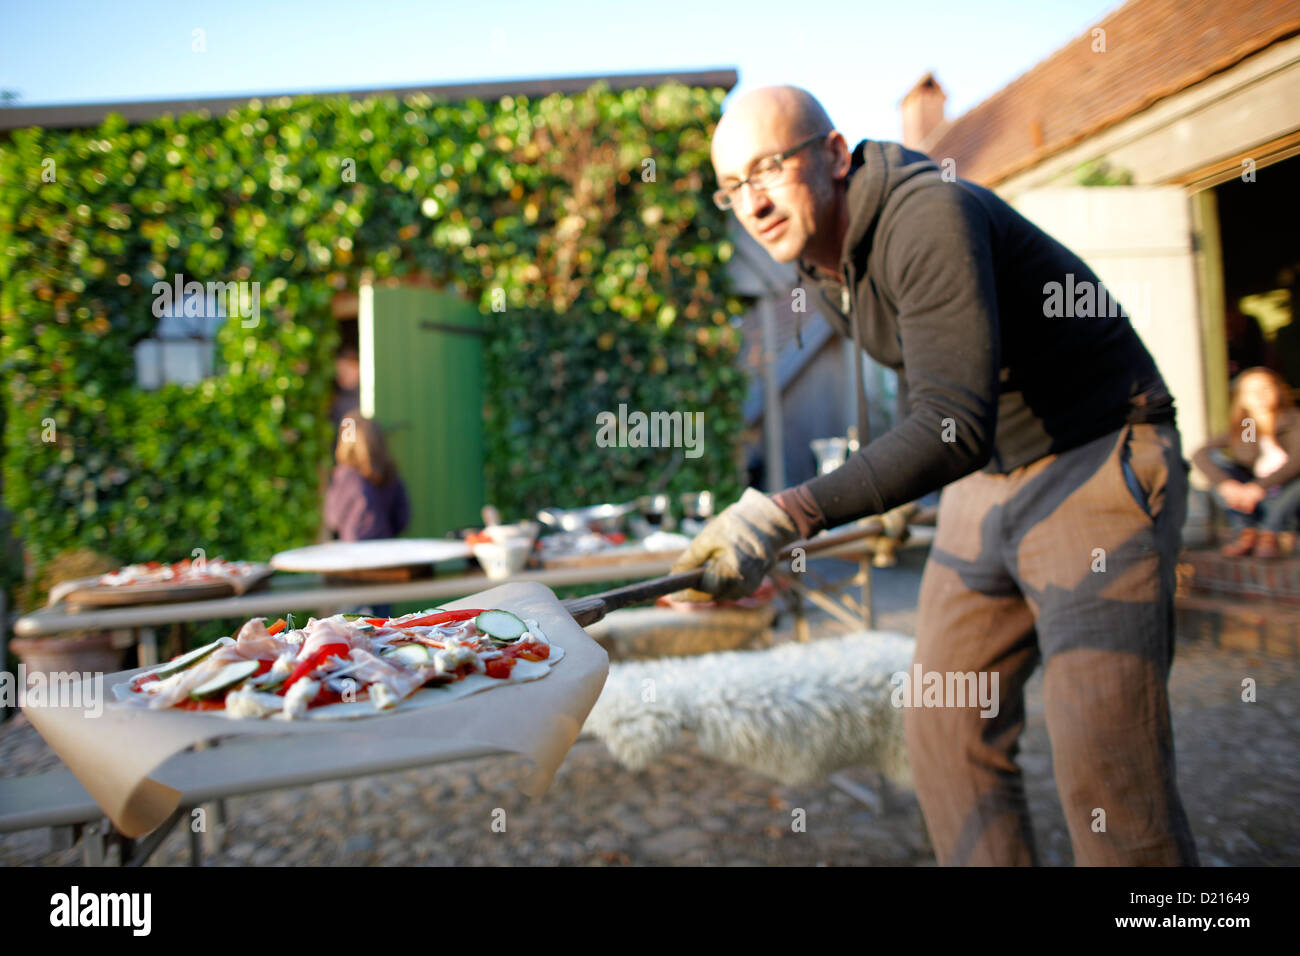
922 110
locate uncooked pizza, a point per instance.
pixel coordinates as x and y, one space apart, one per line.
181 572
348 666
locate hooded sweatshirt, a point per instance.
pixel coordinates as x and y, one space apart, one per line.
945 282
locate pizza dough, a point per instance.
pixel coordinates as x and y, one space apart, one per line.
426 696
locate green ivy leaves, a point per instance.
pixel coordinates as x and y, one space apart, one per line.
589 212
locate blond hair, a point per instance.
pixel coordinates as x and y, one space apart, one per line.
1237 408
361 446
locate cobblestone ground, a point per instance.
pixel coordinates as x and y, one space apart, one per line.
1239 771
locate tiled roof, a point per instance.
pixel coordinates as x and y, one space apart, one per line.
1153 49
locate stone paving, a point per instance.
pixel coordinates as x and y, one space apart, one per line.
1239 771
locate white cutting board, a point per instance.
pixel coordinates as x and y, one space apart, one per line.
336 557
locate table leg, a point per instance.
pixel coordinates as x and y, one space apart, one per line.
215 838
800 614
842 608
93 840
147 647
868 608
178 640
878 800
213 834
63 837
196 842
137 852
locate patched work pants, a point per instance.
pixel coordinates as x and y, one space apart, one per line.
1069 560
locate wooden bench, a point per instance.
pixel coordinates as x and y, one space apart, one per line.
237 767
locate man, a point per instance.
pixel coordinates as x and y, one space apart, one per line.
1065 484
347 385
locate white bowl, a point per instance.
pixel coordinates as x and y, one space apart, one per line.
502 559
503 533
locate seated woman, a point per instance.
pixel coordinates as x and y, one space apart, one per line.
1255 466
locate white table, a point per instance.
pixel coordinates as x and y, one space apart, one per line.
286 594
210 775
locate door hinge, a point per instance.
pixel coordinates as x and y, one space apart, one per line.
431 326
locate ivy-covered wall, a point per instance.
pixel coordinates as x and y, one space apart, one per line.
585 220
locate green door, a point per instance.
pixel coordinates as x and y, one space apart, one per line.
422 373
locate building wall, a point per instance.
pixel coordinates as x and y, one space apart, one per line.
1248 111
819 402
813 406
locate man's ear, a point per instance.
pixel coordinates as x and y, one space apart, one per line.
841 158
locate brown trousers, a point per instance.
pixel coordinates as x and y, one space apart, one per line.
1057 561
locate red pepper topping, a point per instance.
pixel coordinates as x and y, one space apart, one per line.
500 667
305 667
217 704
143 679
528 649
442 617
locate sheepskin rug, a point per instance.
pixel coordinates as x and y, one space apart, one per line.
795 712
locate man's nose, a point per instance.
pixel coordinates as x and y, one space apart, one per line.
752 200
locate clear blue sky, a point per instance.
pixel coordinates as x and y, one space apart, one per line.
859 57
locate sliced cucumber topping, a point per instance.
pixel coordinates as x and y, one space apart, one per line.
418 614
186 661
414 655
227 677
501 626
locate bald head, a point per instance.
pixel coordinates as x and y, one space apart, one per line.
785 111
798 214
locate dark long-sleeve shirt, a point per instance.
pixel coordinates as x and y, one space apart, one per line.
950 285
360 510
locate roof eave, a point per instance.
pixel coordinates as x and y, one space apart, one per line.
82 115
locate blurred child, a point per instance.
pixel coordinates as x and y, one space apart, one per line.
366 498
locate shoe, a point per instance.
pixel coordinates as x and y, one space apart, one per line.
1266 545
1286 543
1244 544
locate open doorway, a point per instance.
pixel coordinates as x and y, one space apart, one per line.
345 394
1261 269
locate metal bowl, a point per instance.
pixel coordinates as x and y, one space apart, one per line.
697 505
605 518
501 533
653 508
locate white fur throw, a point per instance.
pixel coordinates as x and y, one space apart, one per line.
795 712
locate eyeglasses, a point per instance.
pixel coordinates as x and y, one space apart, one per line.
766 173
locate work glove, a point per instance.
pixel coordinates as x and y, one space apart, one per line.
737 548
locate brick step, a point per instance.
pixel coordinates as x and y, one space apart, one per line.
1208 572
1259 626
